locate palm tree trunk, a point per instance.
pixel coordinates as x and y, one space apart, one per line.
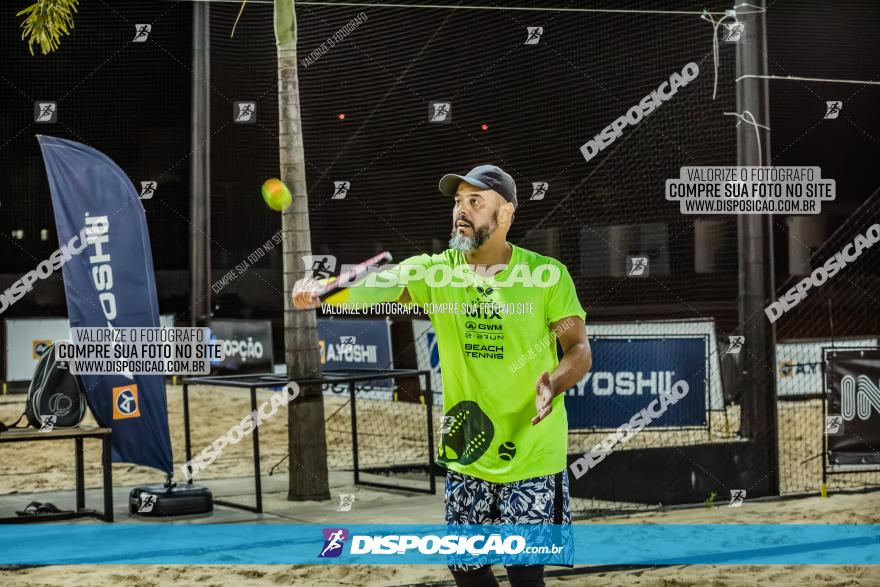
305 416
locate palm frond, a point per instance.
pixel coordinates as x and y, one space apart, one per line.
46 22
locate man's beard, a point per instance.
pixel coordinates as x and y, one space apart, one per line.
466 244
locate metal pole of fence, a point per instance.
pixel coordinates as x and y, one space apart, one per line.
200 169
429 403
354 434
755 238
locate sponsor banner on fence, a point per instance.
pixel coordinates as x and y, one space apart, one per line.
854 385
27 338
662 328
630 373
246 346
428 356
799 364
356 344
423 544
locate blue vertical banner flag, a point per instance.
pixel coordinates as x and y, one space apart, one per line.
110 284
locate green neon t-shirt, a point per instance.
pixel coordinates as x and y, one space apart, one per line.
491 357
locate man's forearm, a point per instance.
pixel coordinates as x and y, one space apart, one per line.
361 296
575 363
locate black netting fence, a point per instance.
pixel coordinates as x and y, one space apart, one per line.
129 100
841 313
528 106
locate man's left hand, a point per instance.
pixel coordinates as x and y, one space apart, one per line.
543 397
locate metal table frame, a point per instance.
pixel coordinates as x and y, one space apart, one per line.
256 381
77 434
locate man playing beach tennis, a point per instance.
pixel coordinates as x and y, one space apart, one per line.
504 434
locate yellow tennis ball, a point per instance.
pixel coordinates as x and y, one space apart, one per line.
276 194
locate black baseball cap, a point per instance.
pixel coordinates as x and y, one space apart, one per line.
488 177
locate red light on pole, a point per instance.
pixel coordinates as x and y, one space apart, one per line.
341 116
484 126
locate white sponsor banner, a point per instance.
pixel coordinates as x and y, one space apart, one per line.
799 364
26 338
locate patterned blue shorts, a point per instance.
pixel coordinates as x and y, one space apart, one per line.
539 500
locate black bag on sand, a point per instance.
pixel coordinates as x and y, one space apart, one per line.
170 500
55 395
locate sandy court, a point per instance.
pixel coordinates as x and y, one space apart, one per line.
48 466
389 433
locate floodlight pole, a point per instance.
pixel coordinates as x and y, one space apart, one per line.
756 271
200 169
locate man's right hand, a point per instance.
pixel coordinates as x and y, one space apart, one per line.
305 294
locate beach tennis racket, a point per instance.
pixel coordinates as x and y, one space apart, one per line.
343 280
